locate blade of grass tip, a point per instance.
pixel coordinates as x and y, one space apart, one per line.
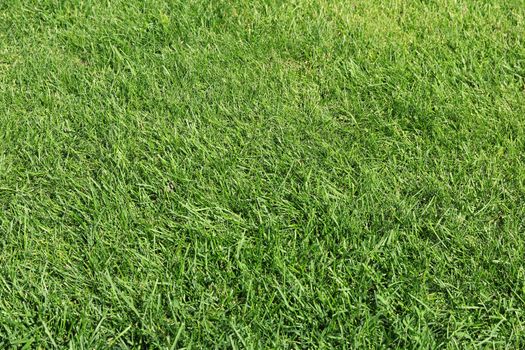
234 347
179 332
49 333
28 344
92 338
286 177
119 336
239 336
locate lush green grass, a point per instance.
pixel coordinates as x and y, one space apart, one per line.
262 174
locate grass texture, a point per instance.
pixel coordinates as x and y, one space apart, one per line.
262 174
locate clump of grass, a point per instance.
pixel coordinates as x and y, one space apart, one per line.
296 174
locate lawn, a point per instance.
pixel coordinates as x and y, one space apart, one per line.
262 174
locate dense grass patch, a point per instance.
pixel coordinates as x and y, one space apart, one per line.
270 174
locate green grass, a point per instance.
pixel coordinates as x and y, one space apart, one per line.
262 174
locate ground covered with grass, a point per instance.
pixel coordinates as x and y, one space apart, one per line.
270 174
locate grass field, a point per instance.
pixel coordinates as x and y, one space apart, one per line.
262 174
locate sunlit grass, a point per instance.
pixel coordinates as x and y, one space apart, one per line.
272 174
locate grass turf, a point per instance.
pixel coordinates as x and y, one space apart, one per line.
272 174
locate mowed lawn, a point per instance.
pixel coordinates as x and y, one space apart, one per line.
262 174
